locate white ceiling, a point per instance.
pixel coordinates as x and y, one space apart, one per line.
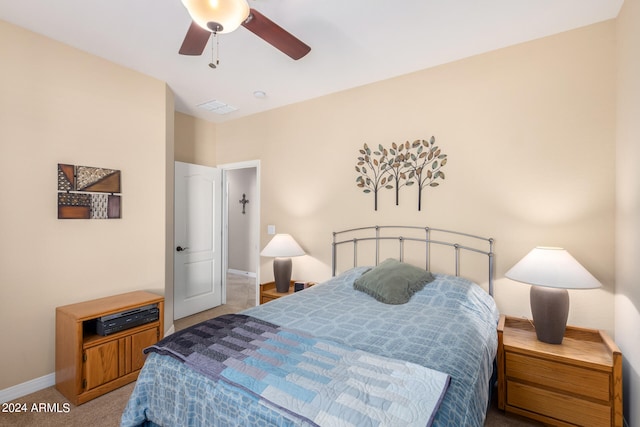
353 42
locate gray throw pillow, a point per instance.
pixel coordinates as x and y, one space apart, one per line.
392 281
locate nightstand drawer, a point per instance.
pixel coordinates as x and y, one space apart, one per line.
578 382
269 293
560 376
558 406
265 299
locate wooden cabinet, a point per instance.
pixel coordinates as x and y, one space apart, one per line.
89 365
578 382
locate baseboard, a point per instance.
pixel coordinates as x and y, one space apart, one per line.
241 273
171 330
19 390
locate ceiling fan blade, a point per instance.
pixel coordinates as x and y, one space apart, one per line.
275 35
195 41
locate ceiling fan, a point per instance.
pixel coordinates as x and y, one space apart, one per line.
224 16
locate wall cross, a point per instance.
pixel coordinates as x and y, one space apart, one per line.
244 201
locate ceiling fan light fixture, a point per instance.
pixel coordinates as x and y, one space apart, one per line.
221 16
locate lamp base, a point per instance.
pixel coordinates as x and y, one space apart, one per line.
550 310
282 274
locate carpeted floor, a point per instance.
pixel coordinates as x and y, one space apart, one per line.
105 410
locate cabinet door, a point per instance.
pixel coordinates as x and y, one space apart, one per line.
102 364
139 342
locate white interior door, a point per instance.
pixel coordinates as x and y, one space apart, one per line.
198 239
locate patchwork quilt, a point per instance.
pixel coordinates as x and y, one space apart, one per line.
313 379
448 327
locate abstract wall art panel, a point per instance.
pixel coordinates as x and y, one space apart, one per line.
86 192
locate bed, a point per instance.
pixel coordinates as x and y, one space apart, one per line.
426 360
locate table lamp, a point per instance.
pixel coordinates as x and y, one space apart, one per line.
282 247
551 271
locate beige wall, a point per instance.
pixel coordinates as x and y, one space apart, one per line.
627 314
60 105
195 140
529 132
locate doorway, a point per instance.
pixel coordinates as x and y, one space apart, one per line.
242 223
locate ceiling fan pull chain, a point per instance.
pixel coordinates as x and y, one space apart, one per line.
217 48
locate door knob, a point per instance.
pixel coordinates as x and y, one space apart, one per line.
180 248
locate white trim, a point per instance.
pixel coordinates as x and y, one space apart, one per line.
171 330
240 165
225 233
241 273
31 386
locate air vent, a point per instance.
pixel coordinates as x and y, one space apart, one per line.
217 107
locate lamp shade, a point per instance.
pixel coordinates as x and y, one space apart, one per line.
282 245
228 14
553 268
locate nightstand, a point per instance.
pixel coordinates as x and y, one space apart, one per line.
578 382
268 291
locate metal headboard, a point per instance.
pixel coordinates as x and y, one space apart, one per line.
484 244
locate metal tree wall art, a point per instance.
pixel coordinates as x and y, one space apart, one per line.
426 162
401 165
398 166
373 170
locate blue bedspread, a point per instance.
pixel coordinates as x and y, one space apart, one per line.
449 326
314 379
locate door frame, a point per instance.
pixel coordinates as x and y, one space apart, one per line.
225 223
